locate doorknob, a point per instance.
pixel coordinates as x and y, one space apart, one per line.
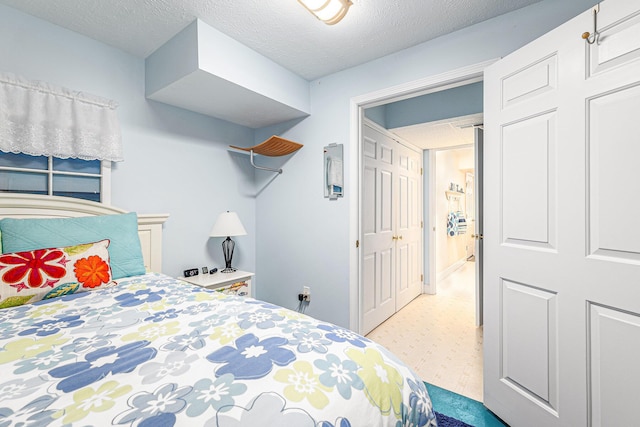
400 237
394 238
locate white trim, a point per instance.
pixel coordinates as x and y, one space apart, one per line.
104 175
150 234
105 181
454 78
450 270
391 135
430 288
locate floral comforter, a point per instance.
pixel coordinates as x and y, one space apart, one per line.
155 351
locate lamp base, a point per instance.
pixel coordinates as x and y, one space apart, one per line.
227 248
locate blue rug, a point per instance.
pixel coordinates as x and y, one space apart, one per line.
455 410
444 421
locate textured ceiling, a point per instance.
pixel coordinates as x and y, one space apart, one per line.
281 30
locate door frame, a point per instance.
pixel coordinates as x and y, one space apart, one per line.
458 77
431 288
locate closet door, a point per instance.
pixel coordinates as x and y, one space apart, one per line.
379 211
408 226
391 227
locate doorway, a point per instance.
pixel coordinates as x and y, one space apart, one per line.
439 83
436 334
374 101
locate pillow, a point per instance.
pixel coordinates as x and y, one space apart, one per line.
27 277
20 235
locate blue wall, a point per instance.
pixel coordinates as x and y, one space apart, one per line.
310 234
446 104
377 114
177 162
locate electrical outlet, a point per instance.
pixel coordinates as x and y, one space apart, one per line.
306 293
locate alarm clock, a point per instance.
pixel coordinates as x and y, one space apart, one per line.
191 272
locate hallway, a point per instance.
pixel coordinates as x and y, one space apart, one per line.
436 335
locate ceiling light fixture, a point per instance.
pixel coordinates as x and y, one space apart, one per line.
328 11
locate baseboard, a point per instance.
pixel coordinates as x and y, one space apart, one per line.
449 270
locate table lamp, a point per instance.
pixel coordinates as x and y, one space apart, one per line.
228 224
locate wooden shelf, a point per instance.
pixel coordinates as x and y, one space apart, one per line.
273 147
453 194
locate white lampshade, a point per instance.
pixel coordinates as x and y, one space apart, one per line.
228 224
328 11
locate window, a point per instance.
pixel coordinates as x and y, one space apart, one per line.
83 179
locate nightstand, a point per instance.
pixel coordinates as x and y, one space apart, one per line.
236 283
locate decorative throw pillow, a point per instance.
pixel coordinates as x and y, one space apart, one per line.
27 277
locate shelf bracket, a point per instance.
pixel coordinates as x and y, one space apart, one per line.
262 167
273 147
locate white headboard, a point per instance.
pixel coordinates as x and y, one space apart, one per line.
36 206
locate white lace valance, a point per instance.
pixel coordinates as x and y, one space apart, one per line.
38 118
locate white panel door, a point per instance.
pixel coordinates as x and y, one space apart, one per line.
561 248
409 226
391 227
478 227
379 212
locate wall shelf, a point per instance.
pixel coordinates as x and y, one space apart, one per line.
454 194
275 146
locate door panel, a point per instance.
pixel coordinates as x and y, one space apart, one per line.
613 178
403 204
528 151
530 82
614 346
619 41
387 282
384 198
529 330
562 330
369 276
402 265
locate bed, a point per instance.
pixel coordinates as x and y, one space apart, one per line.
128 345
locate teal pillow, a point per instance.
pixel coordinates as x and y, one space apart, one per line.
125 253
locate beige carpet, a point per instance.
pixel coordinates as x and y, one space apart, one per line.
436 335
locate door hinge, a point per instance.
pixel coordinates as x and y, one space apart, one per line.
420 171
357 243
422 278
421 224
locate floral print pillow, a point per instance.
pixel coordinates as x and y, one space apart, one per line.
27 277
